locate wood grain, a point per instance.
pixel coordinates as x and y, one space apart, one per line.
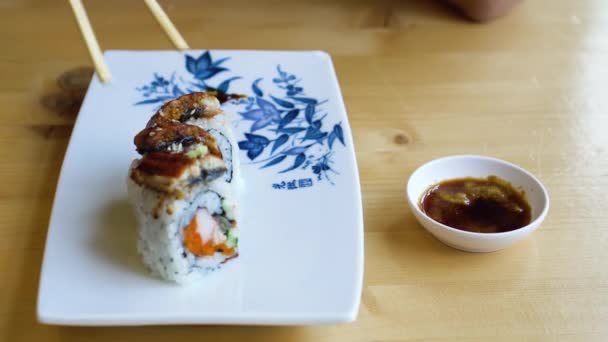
419 82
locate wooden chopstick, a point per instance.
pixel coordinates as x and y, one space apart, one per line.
167 25
89 37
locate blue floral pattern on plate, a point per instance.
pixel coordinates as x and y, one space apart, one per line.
288 129
202 69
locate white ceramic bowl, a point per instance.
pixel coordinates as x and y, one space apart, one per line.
476 166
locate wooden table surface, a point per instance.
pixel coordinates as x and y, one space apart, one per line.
419 83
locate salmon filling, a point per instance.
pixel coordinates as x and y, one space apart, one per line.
200 236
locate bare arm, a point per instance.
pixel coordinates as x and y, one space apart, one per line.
483 10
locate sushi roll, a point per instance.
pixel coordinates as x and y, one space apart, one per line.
184 189
218 126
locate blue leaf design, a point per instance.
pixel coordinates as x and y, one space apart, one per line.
190 64
203 62
310 112
159 80
257 139
220 61
267 107
200 85
319 136
208 73
297 150
283 103
274 161
246 145
177 92
300 159
255 151
317 124
292 114
223 87
281 72
259 124
293 90
256 90
339 133
291 130
280 141
306 100
255 114
330 139
313 133
154 100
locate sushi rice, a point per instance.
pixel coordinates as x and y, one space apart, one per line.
161 238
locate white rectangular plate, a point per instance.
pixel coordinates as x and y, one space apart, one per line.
301 243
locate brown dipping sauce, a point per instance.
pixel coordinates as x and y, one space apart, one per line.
489 205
